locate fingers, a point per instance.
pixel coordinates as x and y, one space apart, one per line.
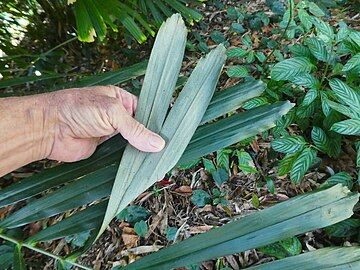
134 132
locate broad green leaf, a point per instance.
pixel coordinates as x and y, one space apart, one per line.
217 36
78 240
222 158
141 228
133 214
302 164
354 62
347 127
320 139
324 30
299 50
246 163
209 165
306 80
170 233
236 52
288 145
159 82
315 10
340 178
18 261
290 68
284 248
345 228
346 95
284 220
238 28
331 258
342 109
220 176
325 103
237 71
318 49
310 96
305 19
200 198
286 163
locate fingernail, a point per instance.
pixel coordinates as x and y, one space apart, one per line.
157 142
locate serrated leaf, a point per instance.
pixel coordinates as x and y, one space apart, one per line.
237 72
347 127
354 62
320 139
284 248
340 178
288 145
286 163
302 164
289 68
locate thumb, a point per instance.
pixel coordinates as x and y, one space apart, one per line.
137 134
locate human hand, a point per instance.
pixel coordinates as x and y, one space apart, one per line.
83 118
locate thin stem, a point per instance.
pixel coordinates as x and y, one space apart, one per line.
283 34
32 247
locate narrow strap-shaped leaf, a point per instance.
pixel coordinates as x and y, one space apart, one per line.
331 258
179 126
255 230
107 153
231 98
85 220
233 129
28 79
159 82
223 138
75 194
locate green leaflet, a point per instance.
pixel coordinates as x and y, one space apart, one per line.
159 83
320 139
340 178
178 128
332 258
352 63
281 221
347 95
180 124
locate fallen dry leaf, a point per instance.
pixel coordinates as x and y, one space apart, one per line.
130 240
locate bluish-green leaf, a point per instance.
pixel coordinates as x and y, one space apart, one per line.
289 68
288 145
302 164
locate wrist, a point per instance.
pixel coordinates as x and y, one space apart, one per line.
43 125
